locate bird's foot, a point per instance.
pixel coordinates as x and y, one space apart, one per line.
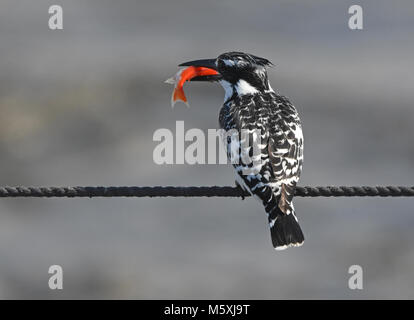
240 187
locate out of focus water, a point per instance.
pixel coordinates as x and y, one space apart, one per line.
79 107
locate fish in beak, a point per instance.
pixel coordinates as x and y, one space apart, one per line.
197 70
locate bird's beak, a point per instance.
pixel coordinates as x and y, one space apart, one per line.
206 63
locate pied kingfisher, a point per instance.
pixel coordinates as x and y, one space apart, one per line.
251 104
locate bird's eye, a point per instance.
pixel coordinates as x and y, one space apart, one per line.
223 65
228 63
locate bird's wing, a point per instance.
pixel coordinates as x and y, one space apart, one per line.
285 148
240 115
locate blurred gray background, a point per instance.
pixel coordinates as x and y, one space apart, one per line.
79 107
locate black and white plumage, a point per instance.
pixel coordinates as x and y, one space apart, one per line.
251 105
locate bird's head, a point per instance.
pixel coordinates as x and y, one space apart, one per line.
239 73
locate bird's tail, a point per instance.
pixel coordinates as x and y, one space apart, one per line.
284 229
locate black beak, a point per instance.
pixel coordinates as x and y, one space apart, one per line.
206 63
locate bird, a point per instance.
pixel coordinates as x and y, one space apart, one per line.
251 105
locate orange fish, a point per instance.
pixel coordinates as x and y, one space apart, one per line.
185 75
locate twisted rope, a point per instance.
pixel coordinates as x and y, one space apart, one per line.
214 191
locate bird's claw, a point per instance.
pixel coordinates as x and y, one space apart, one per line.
239 187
